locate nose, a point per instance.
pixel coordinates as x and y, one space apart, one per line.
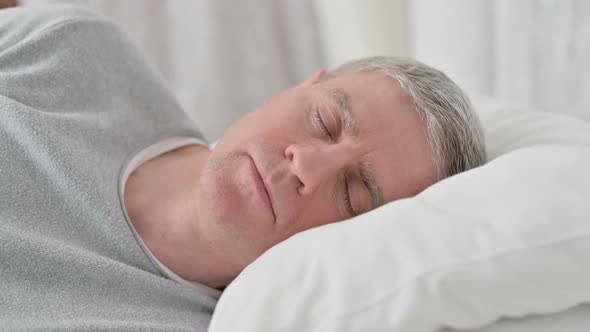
315 165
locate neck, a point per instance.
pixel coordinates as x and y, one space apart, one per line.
161 198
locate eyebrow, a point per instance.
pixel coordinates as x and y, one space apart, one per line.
350 127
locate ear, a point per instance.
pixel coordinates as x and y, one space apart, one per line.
316 77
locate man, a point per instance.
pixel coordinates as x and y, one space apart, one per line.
115 215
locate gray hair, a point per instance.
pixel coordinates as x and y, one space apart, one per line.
452 126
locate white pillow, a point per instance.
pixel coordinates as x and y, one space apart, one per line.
509 127
507 239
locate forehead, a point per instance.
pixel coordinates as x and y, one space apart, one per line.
391 133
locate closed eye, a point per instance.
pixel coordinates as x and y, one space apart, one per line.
347 201
317 118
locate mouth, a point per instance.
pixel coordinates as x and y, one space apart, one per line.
260 180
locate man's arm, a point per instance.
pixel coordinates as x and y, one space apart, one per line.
47 53
20 24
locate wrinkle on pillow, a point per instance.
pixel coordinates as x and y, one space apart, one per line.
508 239
510 127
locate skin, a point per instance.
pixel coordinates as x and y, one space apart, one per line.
285 168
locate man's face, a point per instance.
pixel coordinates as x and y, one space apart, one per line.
320 152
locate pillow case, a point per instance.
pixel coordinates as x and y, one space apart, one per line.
508 239
508 127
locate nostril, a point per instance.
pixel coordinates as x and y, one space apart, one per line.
289 154
301 189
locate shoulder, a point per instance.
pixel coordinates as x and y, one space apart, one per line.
58 49
64 34
46 17
21 24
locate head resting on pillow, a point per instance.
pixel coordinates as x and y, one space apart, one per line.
341 143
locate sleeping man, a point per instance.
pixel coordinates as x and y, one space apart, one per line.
114 213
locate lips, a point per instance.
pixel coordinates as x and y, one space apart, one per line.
264 187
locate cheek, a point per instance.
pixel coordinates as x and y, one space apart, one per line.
316 211
230 220
216 189
224 191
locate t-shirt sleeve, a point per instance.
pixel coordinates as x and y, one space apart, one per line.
20 24
62 58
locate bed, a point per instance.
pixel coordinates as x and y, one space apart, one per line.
501 248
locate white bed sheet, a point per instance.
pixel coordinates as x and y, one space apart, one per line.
576 319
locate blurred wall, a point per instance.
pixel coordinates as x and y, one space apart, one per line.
223 58
454 35
533 53
353 28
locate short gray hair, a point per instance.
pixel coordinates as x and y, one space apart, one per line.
452 126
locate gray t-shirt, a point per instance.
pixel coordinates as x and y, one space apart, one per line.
77 103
